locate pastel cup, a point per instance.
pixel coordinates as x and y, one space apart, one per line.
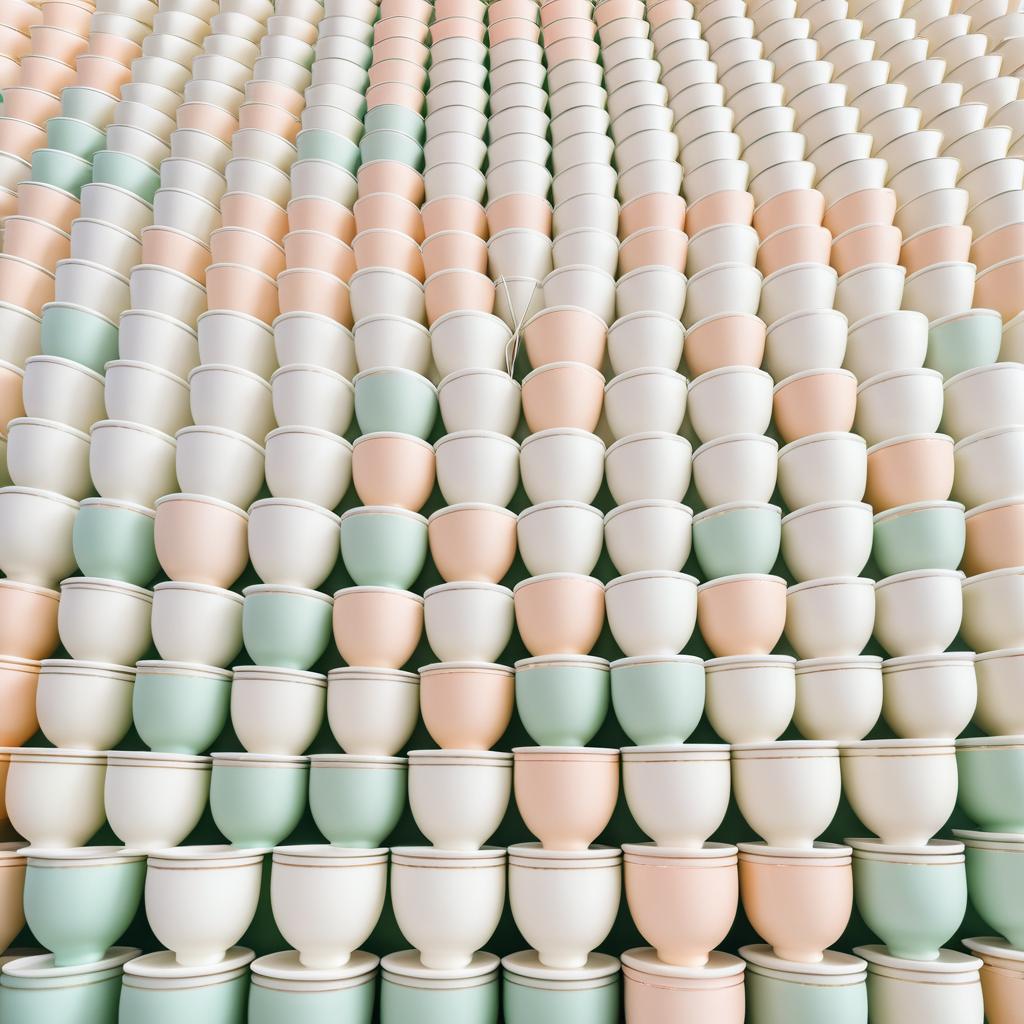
78 903
466 705
383 546
658 700
741 537
660 881
180 708
258 799
913 901
286 627
357 800
799 901
114 540
562 700
544 778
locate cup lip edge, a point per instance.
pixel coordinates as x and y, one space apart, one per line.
63 664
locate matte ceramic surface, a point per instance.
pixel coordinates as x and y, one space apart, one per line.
778 990
737 538
78 904
913 901
658 700
532 992
180 708
155 990
383 546
257 800
461 997
90 993
562 701
286 627
280 987
115 540
356 800
992 808
926 535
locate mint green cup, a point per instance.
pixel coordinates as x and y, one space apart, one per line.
212 995
658 700
321 144
562 700
78 903
995 881
33 991
74 136
740 537
114 540
357 800
383 545
394 398
80 334
405 999
128 171
64 170
924 535
552 1000
393 117
84 103
963 341
280 993
913 901
180 708
257 799
383 144
991 782
782 993
286 627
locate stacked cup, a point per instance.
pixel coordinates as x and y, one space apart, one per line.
838 691
104 623
388 283
286 620
159 350
245 251
560 533
196 620
63 399
105 619
648 464
310 334
50 44
47 201
459 793
644 404
319 262
25 35
518 179
357 797
729 398
658 692
40 57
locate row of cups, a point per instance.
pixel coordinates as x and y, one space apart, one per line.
326 922
788 792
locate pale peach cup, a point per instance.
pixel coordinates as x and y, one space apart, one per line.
683 902
566 795
466 705
742 614
798 901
